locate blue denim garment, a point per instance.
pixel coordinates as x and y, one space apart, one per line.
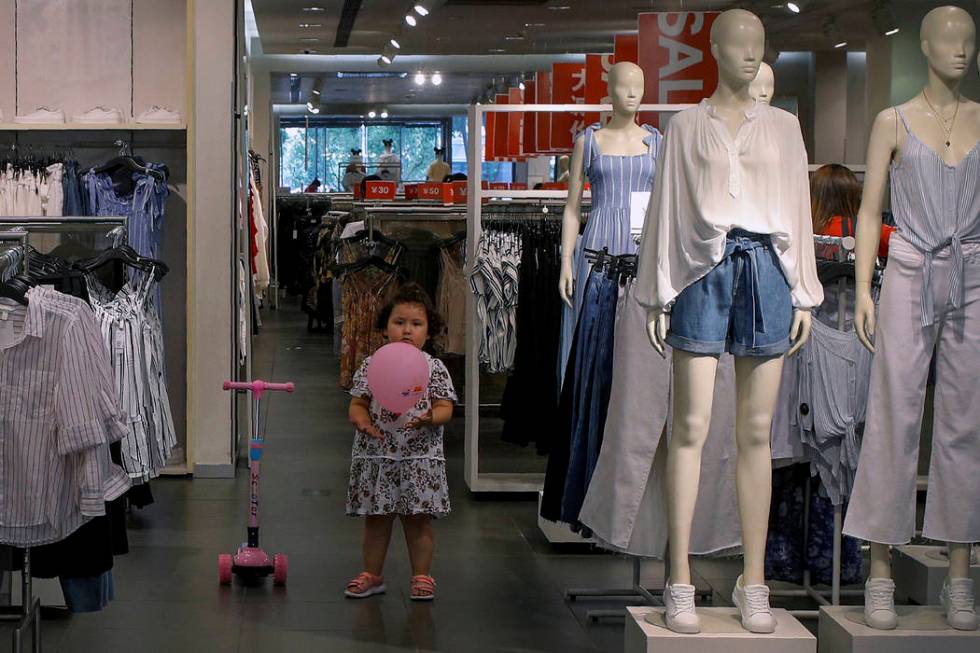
88 594
76 200
592 383
742 306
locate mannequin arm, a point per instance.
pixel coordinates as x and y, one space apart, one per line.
799 333
880 149
571 219
657 329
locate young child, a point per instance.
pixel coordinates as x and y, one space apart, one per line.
398 467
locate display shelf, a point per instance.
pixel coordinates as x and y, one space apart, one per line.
75 126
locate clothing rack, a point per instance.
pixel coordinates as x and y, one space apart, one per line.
20 238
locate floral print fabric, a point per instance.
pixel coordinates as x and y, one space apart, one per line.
405 473
365 293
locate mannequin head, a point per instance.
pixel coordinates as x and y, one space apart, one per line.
626 87
738 41
948 38
563 164
389 145
763 87
440 153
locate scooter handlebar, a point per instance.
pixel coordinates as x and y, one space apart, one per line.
259 386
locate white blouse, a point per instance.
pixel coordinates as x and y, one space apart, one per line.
708 184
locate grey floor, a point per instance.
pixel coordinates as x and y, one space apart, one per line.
501 586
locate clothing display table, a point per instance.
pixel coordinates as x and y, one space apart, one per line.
919 572
842 630
721 632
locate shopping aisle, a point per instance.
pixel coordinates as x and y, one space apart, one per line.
501 587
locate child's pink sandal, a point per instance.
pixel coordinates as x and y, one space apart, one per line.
423 588
364 585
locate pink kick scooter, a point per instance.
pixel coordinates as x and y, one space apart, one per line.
251 562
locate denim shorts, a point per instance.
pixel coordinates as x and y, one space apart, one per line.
742 306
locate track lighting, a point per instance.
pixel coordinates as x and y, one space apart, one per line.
420 79
884 19
421 10
384 113
385 59
394 43
436 79
792 6
372 114
832 32
410 19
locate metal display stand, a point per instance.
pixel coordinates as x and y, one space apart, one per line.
29 613
478 481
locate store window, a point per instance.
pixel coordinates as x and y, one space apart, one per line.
323 150
492 170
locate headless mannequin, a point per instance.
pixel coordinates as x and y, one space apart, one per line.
438 169
948 37
620 137
737 42
763 87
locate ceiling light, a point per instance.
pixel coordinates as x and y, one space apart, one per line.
315 92
533 25
892 32
410 19
496 50
436 79
313 9
419 79
421 10
312 108
372 114
385 59
384 114
395 44
514 37
310 25
293 75
309 39
792 6
884 18
560 7
842 44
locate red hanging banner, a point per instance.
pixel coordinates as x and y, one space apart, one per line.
568 87
529 142
543 91
597 84
515 125
675 55
626 48
500 130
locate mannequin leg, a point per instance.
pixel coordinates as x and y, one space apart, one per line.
757 387
881 564
959 560
694 382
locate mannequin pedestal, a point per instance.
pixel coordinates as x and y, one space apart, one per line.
721 632
919 572
842 630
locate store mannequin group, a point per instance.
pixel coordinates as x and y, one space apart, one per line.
929 148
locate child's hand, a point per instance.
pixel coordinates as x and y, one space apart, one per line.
422 421
367 426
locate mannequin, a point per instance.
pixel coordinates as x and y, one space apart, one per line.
730 216
563 164
905 143
439 169
390 163
354 173
598 150
763 86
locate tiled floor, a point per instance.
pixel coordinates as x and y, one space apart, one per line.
501 586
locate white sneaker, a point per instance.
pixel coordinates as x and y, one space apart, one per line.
100 116
879 604
956 597
41 115
159 116
752 602
680 615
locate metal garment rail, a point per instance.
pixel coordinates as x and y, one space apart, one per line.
478 481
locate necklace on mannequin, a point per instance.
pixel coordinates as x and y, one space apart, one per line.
941 120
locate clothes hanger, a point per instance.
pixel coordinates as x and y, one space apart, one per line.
127 256
16 289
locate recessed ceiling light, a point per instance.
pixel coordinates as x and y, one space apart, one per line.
792 6
410 19
421 10
309 39
313 9
514 37
372 114
533 25
419 79
293 75
892 32
560 7
436 79
384 114
310 25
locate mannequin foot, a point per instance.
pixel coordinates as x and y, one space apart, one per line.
879 604
956 597
752 602
680 614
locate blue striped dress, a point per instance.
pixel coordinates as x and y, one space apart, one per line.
612 179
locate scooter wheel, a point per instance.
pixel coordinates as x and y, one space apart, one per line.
280 566
224 569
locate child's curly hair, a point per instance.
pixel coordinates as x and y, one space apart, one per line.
412 293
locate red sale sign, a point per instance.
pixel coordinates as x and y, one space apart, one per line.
626 48
597 84
675 55
542 85
529 139
567 87
436 192
380 190
500 131
515 124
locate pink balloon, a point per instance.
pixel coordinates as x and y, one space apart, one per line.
398 376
